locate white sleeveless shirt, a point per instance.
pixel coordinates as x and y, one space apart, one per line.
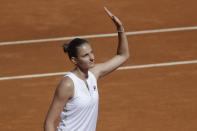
80 113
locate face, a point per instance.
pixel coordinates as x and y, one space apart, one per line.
85 59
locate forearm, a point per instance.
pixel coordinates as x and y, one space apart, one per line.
123 48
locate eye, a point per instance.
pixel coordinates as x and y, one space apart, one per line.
91 52
85 55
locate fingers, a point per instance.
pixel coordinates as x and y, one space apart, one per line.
108 12
117 20
114 18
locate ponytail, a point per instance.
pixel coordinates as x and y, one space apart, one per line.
71 48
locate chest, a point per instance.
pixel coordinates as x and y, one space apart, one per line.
86 90
86 95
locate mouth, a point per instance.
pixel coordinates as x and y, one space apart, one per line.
91 64
92 61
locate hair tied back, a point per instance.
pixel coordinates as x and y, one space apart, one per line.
65 47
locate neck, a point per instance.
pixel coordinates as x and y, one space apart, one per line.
83 74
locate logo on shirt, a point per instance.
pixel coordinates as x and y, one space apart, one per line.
94 88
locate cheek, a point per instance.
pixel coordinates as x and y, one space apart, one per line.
84 61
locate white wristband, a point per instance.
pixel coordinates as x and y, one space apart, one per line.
121 30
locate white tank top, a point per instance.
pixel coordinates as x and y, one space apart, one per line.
80 113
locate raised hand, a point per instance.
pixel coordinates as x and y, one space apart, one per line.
115 19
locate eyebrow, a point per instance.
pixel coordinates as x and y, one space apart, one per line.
88 53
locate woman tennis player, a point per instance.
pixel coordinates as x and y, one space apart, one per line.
76 97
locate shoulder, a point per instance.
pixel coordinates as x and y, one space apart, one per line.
66 83
65 88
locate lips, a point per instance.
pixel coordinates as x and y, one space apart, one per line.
91 63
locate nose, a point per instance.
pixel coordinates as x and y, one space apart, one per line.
91 57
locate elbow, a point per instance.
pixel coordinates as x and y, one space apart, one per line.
127 56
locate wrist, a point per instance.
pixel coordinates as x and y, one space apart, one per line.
120 29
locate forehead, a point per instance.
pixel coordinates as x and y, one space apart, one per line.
84 48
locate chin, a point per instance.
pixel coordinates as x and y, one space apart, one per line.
91 66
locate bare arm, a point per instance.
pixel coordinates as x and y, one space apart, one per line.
63 92
122 51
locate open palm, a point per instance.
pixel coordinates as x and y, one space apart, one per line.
115 19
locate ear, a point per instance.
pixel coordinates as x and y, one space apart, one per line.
74 60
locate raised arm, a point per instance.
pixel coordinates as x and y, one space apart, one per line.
122 51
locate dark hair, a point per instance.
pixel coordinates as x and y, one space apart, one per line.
71 48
